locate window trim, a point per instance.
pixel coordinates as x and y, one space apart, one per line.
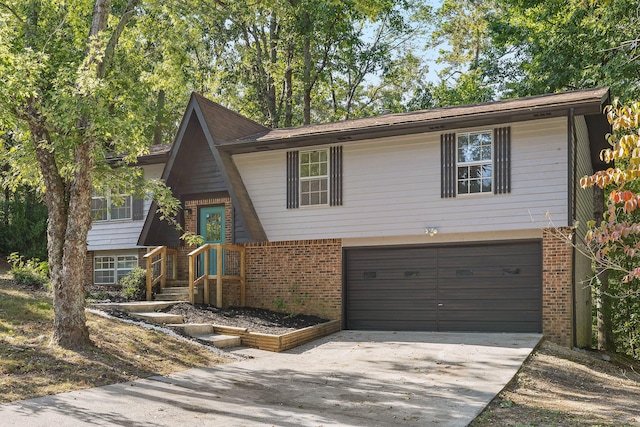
489 162
113 259
334 172
320 178
501 163
109 205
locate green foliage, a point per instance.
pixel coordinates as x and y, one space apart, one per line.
134 285
292 304
615 241
29 272
24 224
542 47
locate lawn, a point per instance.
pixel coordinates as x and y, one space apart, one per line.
30 366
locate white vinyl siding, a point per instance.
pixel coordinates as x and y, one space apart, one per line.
105 235
392 188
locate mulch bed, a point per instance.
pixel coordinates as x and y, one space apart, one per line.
254 319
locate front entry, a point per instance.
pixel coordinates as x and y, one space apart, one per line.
211 228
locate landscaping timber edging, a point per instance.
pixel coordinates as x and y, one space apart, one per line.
278 343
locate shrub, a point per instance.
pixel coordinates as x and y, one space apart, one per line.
134 285
30 272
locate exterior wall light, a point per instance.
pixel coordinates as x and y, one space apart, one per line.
431 231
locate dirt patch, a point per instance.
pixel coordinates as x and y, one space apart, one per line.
254 319
558 386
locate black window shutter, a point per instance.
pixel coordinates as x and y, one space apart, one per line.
138 209
293 180
448 165
335 179
502 160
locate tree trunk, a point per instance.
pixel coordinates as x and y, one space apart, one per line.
603 299
306 74
70 328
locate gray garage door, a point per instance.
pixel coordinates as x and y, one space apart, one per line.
479 287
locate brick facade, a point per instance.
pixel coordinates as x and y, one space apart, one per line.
296 276
557 301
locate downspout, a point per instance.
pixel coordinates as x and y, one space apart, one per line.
572 153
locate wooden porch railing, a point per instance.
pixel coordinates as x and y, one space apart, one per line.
223 254
158 261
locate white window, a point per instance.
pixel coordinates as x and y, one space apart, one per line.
111 206
109 269
475 162
314 178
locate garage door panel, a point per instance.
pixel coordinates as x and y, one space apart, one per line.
381 275
496 311
487 306
385 254
490 285
374 325
483 294
507 272
489 249
422 304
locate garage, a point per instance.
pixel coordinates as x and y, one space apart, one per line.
479 287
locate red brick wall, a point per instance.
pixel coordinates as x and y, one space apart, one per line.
295 276
557 311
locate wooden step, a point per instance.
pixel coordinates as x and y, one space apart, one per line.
175 298
174 290
177 283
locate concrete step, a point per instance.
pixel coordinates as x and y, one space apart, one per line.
220 341
194 328
159 318
136 306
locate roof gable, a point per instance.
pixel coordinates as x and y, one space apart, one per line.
203 124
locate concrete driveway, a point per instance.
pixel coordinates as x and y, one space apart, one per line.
351 378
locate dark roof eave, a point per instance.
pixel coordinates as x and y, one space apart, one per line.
262 142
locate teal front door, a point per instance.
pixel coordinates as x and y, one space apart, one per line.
211 228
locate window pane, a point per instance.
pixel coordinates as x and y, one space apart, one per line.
323 168
463 172
486 152
323 198
304 157
323 155
304 171
315 156
304 186
463 187
99 209
314 170
315 199
323 185
304 199
474 186
486 171
475 171
486 185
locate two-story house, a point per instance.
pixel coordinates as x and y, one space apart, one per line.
441 220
